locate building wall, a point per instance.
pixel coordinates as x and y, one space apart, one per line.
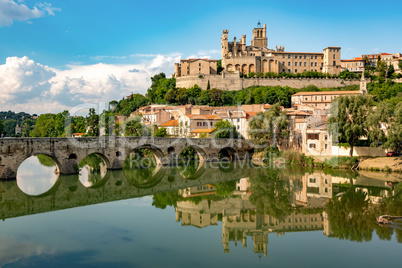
359 151
233 81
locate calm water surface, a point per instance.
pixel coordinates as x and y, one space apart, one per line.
235 215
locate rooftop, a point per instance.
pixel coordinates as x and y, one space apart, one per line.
345 92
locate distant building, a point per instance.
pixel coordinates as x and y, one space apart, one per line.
237 56
195 67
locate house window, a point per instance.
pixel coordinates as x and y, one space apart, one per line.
326 146
289 63
312 180
295 70
315 57
210 123
312 64
288 56
238 127
238 120
305 64
326 137
204 124
312 146
295 63
315 64
305 56
283 63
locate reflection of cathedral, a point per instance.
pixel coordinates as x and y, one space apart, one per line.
240 219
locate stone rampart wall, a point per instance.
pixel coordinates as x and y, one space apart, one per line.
229 82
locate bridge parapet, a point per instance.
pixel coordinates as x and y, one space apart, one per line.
69 152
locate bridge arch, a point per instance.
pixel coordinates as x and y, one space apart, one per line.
228 154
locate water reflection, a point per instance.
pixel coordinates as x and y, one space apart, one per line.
343 205
37 174
92 170
250 203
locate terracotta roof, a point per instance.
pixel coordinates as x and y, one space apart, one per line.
199 59
385 54
345 92
355 59
203 116
267 106
299 113
171 123
202 130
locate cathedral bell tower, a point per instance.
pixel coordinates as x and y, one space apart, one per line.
260 36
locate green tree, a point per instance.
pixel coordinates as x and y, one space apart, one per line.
134 127
127 106
161 132
347 122
219 67
225 130
93 123
270 128
390 71
1 126
385 126
216 97
400 64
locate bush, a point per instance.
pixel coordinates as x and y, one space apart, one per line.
252 74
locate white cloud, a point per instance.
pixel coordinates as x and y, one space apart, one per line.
32 87
11 11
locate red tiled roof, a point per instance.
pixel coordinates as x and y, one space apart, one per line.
202 130
345 92
203 116
171 123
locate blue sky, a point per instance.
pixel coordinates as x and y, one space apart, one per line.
57 54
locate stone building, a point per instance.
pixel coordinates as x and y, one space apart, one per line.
195 67
237 56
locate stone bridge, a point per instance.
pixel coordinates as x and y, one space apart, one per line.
69 192
68 152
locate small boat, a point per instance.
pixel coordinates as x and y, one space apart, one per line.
386 219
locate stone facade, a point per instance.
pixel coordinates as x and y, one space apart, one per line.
237 56
195 67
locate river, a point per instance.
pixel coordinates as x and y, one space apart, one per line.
214 215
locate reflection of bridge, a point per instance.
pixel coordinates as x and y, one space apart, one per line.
68 152
68 192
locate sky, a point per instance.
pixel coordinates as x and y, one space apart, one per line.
58 55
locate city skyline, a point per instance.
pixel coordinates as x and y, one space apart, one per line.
57 55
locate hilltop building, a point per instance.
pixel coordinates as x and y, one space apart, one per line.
240 59
237 56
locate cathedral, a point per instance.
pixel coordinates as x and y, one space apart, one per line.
258 58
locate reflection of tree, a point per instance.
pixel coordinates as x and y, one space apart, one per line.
94 163
270 193
349 216
225 189
189 169
140 166
162 200
45 160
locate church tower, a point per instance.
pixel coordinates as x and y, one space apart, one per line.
260 36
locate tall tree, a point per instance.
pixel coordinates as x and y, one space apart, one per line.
347 121
225 130
270 128
93 123
385 126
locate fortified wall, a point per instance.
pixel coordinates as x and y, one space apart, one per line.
232 81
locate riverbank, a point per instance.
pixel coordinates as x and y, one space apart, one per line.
295 158
393 164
